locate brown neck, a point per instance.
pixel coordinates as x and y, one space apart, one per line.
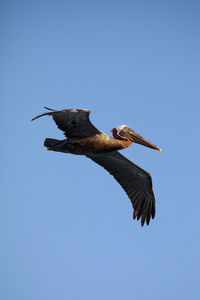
124 143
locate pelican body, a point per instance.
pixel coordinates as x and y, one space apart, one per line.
83 138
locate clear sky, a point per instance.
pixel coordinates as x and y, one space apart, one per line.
66 226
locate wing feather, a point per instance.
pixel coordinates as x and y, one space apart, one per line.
75 123
134 180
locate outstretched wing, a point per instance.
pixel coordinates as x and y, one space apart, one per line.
135 181
74 122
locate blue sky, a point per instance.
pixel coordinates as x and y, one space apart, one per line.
66 226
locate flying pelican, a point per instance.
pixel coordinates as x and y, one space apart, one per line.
82 138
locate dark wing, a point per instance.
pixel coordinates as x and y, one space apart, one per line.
135 181
74 122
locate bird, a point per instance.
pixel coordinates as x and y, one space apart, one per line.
83 138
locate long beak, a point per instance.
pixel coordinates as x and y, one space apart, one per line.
136 138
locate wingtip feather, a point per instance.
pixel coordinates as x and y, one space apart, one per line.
49 108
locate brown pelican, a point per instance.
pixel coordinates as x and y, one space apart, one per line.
83 138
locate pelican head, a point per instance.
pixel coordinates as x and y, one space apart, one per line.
123 132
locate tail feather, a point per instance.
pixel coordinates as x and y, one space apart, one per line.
52 144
